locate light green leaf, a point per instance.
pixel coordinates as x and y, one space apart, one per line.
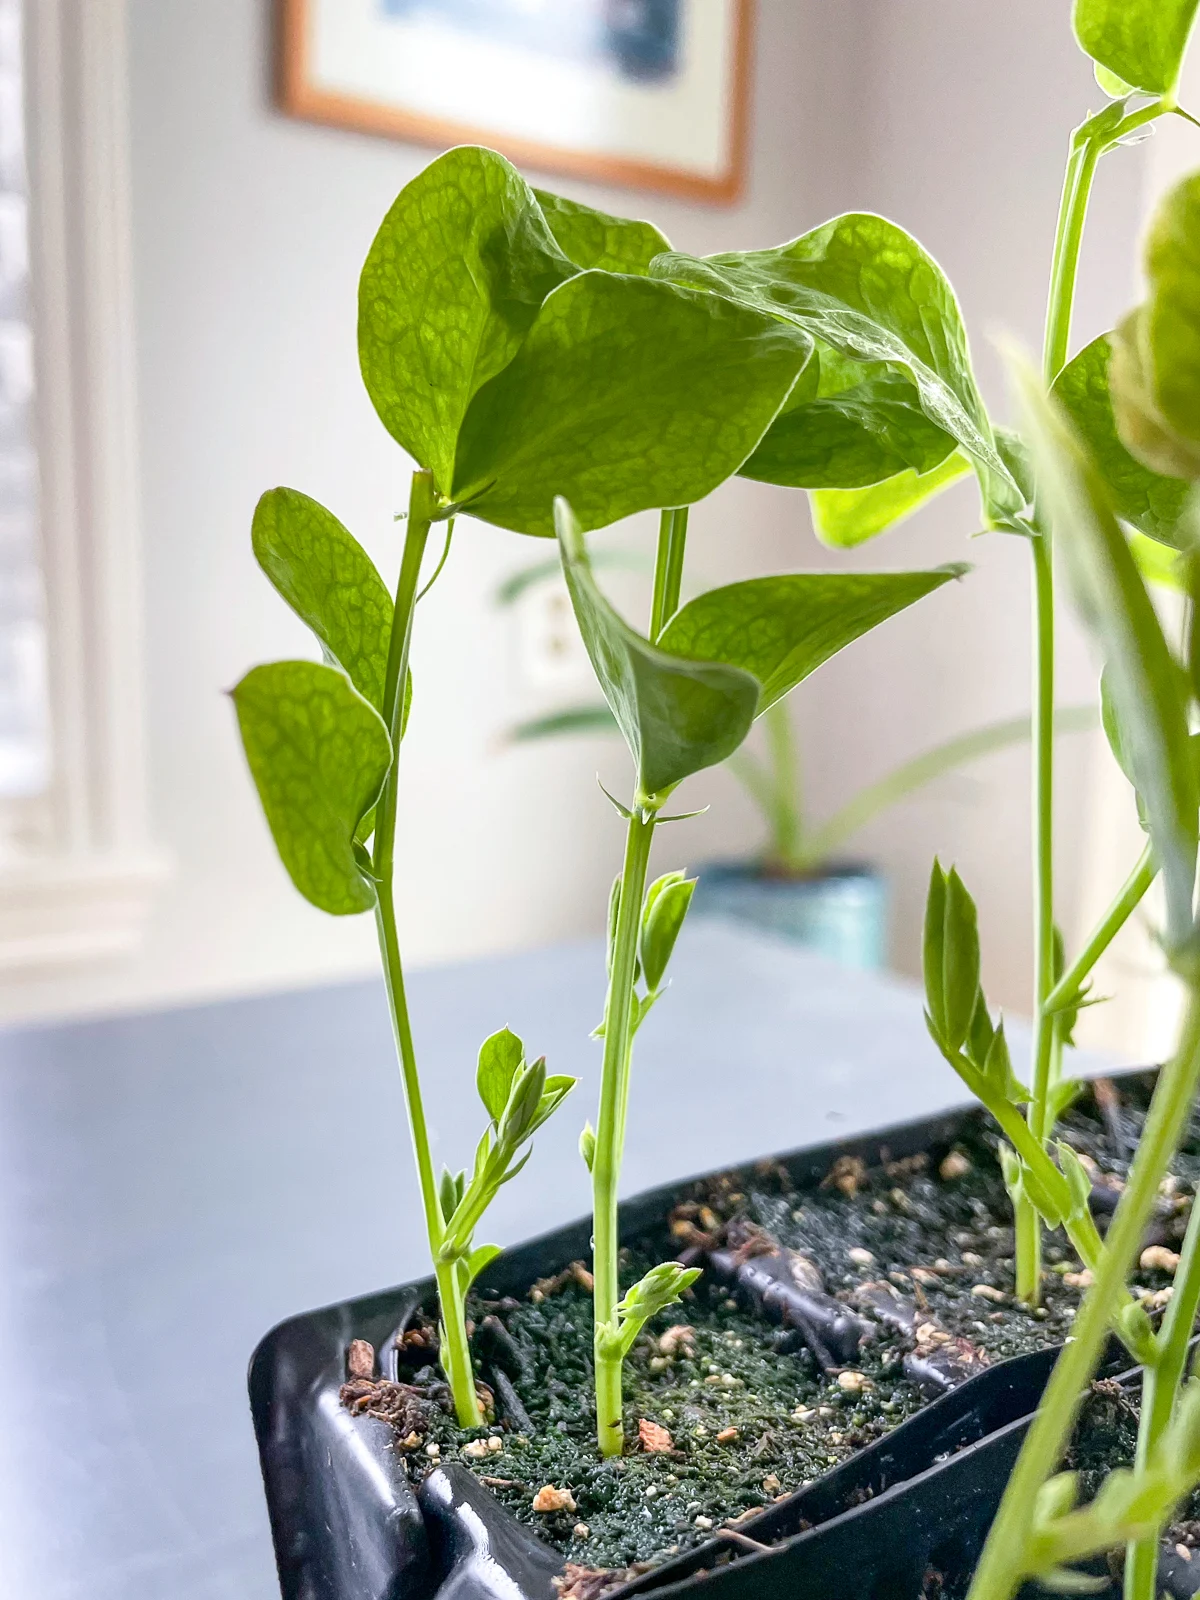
847 440
1157 563
843 518
1141 42
1170 327
628 393
329 581
676 716
1144 680
960 962
1140 424
480 1258
500 1059
1115 88
661 922
781 629
450 287
592 238
867 288
1078 1180
933 952
319 754
1151 502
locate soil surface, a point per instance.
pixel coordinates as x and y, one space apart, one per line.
723 1414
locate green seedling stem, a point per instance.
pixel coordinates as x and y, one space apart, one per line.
456 1354
1002 1565
618 1034
1088 144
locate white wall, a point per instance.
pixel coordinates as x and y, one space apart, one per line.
951 115
249 233
968 110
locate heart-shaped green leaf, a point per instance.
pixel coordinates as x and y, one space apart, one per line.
781 629
1140 42
1143 678
847 440
844 518
450 286
329 581
1150 501
867 288
319 754
676 716
628 393
592 238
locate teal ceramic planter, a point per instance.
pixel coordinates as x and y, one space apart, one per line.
841 912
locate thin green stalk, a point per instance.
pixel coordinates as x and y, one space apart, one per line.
606 1161
1160 1387
1002 1565
785 815
1130 895
456 1355
1081 167
668 568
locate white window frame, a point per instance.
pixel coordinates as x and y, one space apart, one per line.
85 884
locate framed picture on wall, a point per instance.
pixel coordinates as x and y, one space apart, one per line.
649 93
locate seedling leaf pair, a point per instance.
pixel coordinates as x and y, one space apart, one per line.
689 701
510 373
662 1286
865 287
1139 44
518 1097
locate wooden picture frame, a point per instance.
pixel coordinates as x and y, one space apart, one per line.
302 92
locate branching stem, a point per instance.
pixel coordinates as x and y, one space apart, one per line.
456 1355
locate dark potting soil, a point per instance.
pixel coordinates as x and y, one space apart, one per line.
722 1414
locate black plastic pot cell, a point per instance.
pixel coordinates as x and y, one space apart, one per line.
347 1524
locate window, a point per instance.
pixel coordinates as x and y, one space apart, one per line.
77 875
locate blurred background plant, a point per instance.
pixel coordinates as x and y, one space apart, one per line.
800 884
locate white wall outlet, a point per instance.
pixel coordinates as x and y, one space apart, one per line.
550 654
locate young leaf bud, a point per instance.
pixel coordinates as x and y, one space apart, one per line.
661 922
1077 1178
587 1145
500 1059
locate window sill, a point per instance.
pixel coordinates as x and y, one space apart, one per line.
67 910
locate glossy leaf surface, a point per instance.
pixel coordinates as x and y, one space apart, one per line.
1150 501
844 518
867 288
1141 675
1139 42
676 716
329 581
847 440
451 284
781 629
593 238
319 754
628 393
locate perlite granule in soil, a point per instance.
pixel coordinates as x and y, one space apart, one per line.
719 1420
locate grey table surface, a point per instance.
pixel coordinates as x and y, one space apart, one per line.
173 1184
